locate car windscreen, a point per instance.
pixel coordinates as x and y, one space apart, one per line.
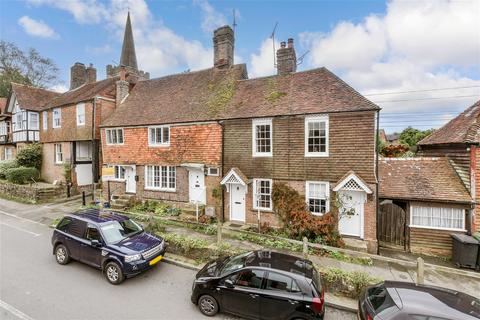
379 298
235 263
119 230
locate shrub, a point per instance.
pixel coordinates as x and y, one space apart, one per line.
5 166
22 175
30 156
297 220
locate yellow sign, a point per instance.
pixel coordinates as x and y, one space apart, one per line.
108 171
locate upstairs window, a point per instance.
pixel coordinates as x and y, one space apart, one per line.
81 114
160 178
83 151
57 118
114 136
3 128
262 137
159 136
33 121
45 120
316 136
317 194
18 121
58 153
262 194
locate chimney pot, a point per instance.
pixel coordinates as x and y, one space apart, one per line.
282 44
223 47
290 42
91 74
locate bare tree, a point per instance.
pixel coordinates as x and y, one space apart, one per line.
24 67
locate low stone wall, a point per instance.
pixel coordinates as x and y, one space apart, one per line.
35 193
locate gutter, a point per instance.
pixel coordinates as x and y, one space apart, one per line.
377 196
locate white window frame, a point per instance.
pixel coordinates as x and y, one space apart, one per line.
437 228
45 120
57 115
117 173
152 143
259 122
80 113
209 172
8 154
168 170
3 128
108 136
57 152
327 196
33 124
255 195
78 148
312 119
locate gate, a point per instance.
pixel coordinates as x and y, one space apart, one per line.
392 226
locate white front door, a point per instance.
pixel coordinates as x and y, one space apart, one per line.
237 202
130 183
351 213
196 186
84 174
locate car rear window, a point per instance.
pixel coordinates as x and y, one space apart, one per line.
63 224
379 298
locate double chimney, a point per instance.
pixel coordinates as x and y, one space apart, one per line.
286 58
80 75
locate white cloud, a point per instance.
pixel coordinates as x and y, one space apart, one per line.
212 19
99 50
59 88
416 45
37 28
261 63
84 11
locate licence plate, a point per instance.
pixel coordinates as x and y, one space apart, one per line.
152 262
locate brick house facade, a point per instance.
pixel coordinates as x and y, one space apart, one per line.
215 118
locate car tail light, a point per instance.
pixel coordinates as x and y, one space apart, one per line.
317 303
369 317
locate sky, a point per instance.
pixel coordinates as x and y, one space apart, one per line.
418 60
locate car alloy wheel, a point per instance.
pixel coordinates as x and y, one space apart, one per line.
61 255
208 305
112 273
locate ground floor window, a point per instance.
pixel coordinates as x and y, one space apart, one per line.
437 217
317 194
58 153
8 154
119 172
160 177
262 194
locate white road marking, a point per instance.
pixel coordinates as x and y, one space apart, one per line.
21 218
19 314
20 229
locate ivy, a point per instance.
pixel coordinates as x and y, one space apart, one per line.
221 94
273 94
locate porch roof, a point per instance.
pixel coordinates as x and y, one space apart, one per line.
235 176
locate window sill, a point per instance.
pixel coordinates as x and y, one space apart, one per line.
262 155
319 214
263 210
316 155
160 190
114 144
437 228
159 145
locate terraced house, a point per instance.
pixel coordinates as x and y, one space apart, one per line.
183 137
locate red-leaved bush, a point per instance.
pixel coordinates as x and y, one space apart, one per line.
297 220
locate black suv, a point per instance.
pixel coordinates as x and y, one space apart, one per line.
260 285
394 300
108 241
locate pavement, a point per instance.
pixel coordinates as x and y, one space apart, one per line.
34 286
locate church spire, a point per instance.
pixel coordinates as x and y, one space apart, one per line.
128 57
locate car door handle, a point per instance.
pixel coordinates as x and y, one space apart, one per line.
254 296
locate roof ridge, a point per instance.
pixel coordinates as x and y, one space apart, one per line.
34 87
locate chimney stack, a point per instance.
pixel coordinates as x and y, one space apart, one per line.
122 86
223 45
78 75
286 58
91 74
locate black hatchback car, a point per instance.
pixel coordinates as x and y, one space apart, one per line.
392 300
108 241
260 285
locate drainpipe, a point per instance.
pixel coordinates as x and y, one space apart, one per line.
377 204
221 123
473 193
94 106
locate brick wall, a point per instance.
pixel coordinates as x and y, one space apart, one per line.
200 143
50 170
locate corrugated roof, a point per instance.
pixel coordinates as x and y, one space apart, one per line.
423 179
214 94
465 128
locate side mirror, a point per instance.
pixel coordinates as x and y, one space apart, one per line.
95 243
229 283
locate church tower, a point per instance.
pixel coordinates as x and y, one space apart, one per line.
128 58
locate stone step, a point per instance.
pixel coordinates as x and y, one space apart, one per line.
117 207
193 211
121 202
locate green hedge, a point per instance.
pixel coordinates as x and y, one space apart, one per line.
22 175
5 166
30 156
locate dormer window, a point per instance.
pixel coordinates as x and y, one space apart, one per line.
57 118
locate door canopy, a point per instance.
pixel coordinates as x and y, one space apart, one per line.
234 176
352 182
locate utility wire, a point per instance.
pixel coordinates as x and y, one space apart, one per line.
424 90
